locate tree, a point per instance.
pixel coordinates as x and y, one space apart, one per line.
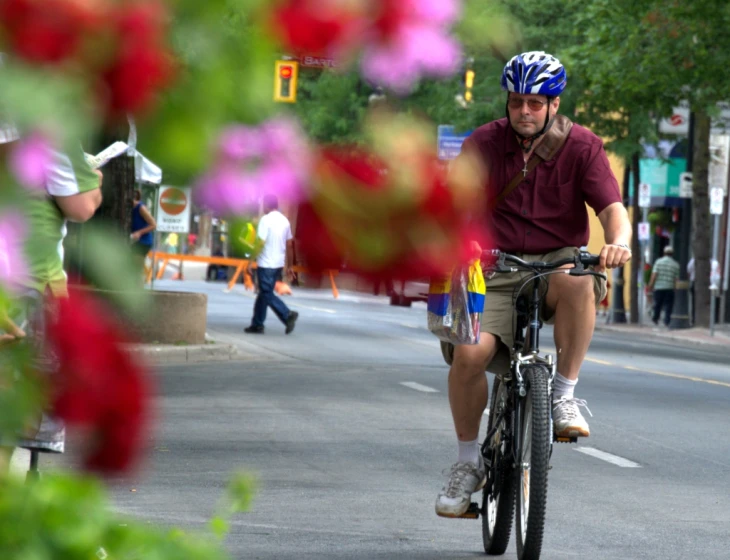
669 51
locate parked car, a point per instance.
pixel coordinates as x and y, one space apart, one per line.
406 292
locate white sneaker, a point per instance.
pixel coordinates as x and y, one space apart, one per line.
568 420
464 480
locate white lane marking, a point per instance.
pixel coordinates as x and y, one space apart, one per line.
608 457
311 308
419 387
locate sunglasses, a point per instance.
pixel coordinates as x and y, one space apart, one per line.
532 104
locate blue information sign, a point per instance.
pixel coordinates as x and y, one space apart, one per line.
449 143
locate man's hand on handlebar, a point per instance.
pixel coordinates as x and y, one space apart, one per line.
613 256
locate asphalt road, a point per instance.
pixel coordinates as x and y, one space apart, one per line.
349 459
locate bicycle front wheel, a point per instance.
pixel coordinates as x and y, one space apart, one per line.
533 462
498 502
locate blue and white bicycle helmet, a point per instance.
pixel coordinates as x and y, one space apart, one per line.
536 73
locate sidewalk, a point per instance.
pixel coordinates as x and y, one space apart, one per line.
693 336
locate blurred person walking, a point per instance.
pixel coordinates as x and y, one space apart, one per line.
275 231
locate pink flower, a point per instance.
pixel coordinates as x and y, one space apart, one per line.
444 12
13 269
30 159
272 158
226 190
278 178
240 143
412 40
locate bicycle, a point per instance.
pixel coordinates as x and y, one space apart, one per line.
519 440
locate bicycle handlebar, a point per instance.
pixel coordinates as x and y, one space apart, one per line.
495 262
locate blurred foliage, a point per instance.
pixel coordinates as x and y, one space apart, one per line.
225 75
61 517
41 98
106 263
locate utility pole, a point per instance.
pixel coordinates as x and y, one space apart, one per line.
635 246
117 191
618 309
681 316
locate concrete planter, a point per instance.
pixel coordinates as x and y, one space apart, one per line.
172 317
176 317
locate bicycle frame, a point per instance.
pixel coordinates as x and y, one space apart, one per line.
514 382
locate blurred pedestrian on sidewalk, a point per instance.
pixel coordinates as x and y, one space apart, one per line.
143 227
663 281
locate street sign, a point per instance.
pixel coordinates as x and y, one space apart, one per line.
718 166
173 209
716 199
644 195
449 143
644 234
317 62
678 122
685 185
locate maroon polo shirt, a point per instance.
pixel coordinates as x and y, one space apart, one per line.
547 210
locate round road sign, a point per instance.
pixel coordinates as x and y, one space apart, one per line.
173 201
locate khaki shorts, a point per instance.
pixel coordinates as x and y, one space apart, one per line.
499 315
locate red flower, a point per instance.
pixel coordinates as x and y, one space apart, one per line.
120 47
354 165
390 17
382 223
99 385
45 31
314 27
142 66
135 78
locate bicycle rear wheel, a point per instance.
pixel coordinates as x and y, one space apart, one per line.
498 502
533 462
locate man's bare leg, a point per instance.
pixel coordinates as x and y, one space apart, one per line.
574 303
573 300
468 386
468 392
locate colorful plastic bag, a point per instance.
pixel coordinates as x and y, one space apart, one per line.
456 304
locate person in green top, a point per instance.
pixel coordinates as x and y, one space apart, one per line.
663 281
72 192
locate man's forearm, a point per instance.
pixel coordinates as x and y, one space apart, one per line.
616 225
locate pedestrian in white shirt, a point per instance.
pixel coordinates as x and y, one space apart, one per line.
275 231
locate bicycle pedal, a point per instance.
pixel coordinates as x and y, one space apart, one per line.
569 439
471 513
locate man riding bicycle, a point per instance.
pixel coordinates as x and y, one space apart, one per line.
540 172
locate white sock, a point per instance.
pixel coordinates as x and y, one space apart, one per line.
563 387
469 452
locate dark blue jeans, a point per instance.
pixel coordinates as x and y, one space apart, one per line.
267 298
663 299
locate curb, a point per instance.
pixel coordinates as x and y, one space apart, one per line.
164 354
719 342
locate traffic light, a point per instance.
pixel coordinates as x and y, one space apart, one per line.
285 81
468 84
